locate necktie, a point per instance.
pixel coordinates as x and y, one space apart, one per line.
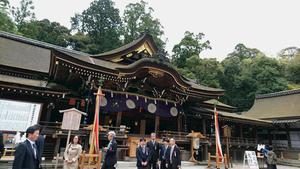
34 150
144 150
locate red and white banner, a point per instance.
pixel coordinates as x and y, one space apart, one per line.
217 134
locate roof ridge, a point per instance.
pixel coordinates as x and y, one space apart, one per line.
277 94
38 42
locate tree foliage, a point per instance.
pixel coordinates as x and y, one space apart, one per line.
46 31
6 23
245 76
191 45
138 19
24 12
101 23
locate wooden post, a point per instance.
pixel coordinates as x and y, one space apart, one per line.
217 160
56 161
179 123
288 136
68 138
226 164
270 136
119 119
205 147
143 127
208 162
227 149
106 120
241 131
156 124
255 135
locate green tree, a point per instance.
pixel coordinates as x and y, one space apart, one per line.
6 23
101 23
24 12
245 76
82 42
204 71
191 44
243 52
46 31
138 19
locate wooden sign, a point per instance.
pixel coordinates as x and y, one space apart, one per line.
251 159
71 119
226 131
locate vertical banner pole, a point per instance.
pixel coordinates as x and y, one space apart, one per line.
68 138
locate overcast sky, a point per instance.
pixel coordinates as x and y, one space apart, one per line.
269 25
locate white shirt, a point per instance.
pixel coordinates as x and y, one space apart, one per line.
32 146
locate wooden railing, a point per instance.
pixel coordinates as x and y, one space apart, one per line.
236 141
179 136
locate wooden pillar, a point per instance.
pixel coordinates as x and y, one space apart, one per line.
205 147
179 123
143 127
156 124
50 107
288 136
270 136
255 134
241 131
57 145
119 119
106 120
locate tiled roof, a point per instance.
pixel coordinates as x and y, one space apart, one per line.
279 105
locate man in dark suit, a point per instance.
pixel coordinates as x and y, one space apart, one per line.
1 145
154 147
163 153
173 156
40 143
27 155
142 155
110 159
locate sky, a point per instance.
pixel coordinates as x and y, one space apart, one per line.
268 25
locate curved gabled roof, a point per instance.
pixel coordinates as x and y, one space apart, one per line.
145 39
98 63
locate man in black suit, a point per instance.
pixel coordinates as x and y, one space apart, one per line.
110 159
173 156
1 145
27 155
163 153
40 143
142 155
154 147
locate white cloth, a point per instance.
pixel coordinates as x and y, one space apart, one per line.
17 138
